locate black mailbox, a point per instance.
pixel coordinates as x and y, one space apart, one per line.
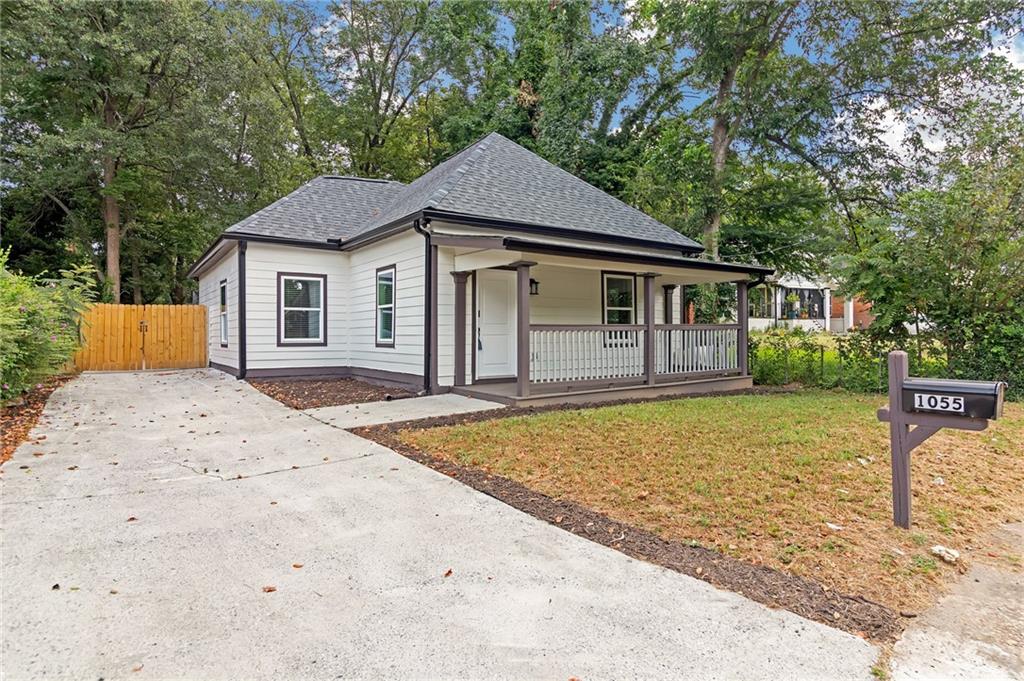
974 399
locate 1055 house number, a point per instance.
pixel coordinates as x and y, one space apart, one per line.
938 402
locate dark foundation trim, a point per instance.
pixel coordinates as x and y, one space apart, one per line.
394 379
225 368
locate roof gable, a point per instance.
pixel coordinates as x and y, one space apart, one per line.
499 179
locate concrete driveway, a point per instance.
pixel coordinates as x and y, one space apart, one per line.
164 503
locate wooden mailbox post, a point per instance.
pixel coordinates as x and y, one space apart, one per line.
930 405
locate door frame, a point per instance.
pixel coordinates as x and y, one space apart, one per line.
474 337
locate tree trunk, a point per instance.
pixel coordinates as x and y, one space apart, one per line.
719 153
111 208
112 220
136 278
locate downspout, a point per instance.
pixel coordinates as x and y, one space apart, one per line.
242 245
428 316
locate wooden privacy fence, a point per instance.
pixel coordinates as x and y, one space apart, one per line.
131 337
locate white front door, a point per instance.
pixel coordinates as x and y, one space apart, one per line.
495 324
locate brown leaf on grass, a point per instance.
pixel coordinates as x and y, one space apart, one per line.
269 589
448 573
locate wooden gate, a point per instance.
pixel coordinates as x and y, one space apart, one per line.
132 337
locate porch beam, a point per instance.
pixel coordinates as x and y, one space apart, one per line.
743 318
484 259
649 324
460 326
523 328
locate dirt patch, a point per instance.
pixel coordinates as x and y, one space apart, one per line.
18 419
760 583
301 393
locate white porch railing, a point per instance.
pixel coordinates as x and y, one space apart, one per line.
687 349
564 353
586 353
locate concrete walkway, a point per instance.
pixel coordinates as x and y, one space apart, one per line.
976 632
144 543
375 413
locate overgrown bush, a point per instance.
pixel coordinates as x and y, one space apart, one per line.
39 320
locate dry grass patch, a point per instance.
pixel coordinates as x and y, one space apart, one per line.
758 477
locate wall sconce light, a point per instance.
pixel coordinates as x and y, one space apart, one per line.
534 287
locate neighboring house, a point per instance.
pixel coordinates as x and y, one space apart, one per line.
795 302
495 274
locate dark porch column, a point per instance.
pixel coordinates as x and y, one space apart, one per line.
743 318
669 291
649 323
460 326
523 328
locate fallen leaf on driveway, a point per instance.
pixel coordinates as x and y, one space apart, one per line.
137 668
449 573
132 519
269 589
296 565
55 587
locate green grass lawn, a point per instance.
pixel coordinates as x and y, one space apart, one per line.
759 476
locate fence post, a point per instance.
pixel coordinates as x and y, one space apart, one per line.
821 372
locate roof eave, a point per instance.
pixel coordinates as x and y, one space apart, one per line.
498 223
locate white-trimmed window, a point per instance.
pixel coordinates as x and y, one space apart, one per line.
386 306
301 303
619 299
223 313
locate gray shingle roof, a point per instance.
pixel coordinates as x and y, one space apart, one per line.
326 207
494 178
497 178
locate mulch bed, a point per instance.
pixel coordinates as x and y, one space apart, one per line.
302 393
765 585
18 419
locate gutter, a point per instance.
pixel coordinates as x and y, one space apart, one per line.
242 342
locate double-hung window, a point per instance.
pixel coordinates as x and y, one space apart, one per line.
301 302
619 302
223 313
386 306
620 307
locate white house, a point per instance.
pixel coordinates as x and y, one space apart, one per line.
496 274
808 304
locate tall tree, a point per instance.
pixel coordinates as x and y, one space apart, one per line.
822 83
384 55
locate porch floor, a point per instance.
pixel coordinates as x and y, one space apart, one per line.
541 394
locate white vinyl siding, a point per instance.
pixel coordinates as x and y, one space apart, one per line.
263 263
210 295
404 251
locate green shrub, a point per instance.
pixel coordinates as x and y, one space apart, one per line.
855 361
39 320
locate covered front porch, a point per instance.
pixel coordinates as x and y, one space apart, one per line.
535 323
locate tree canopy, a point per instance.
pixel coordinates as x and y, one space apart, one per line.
787 133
